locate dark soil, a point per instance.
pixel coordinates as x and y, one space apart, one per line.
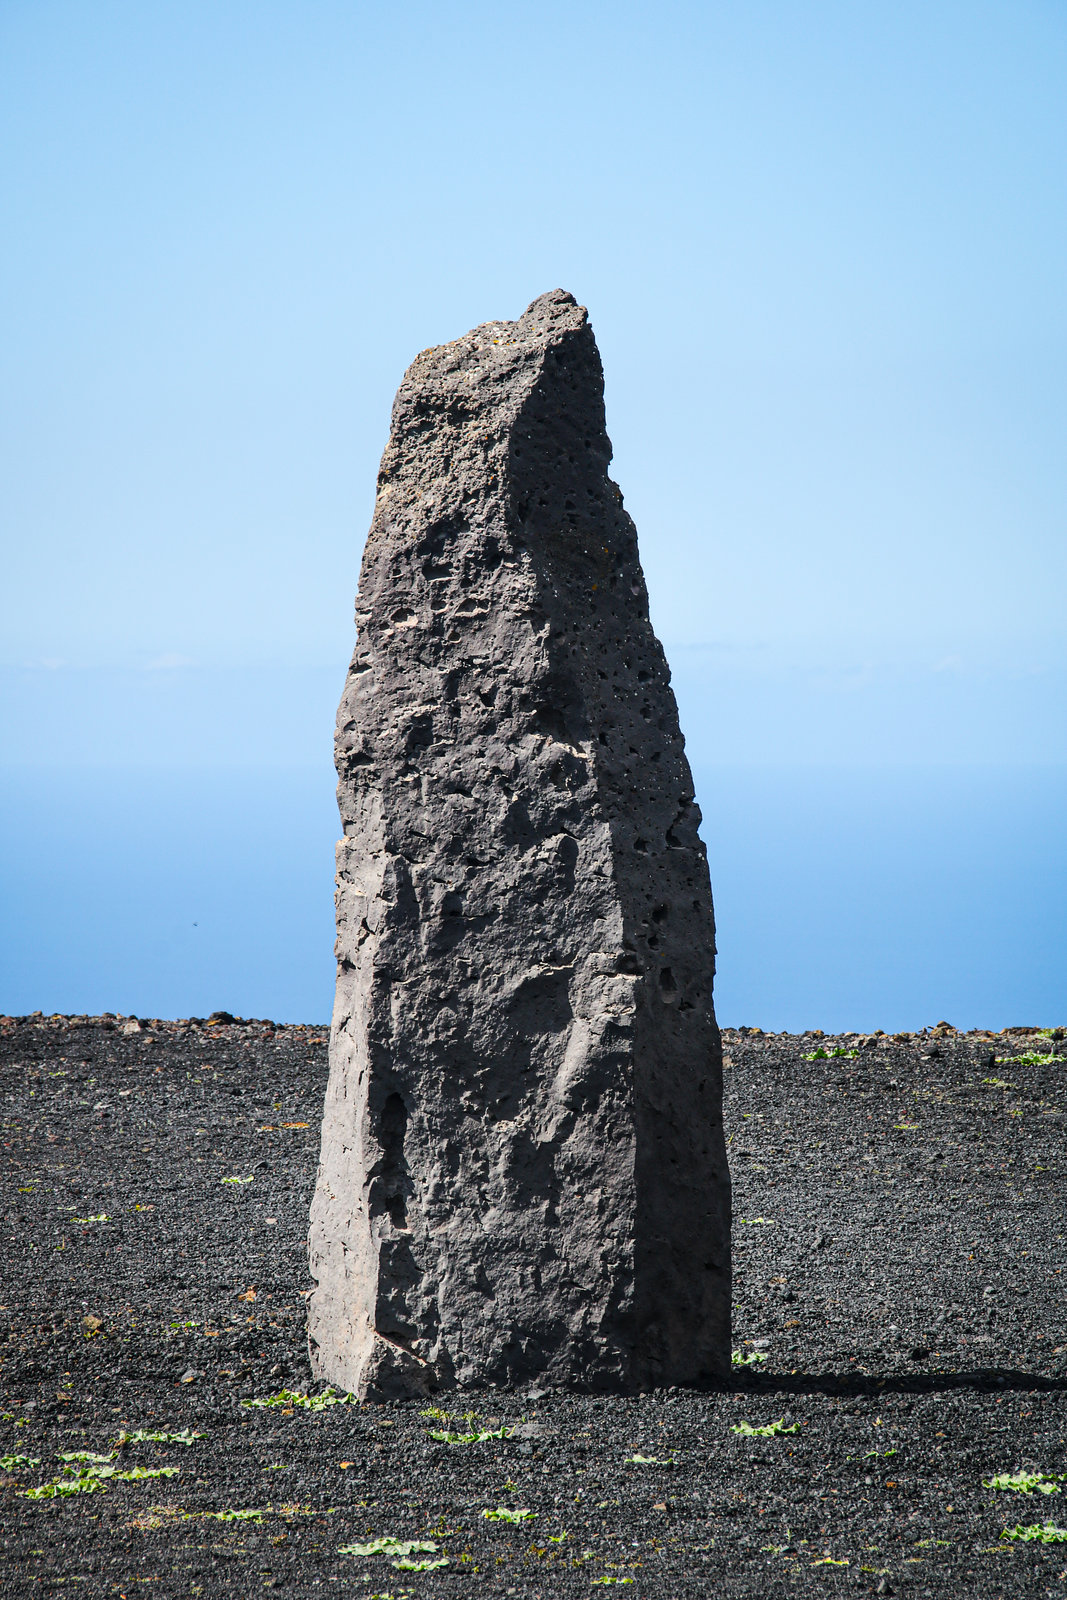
900 1257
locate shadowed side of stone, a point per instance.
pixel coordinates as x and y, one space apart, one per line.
523 1172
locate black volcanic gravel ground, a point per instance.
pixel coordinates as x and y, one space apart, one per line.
900 1263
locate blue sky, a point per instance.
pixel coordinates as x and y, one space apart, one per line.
822 246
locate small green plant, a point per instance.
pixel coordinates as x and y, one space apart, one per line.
502 1514
780 1549
831 1055
149 1436
86 1470
84 1473
1035 1532
308 1402
1030 1059
612 1580
758 1222
84 1483
237 1180
250 1515
10 1463
771 1431
185 1324
750 1358
388 1546
1025 1482
649 1461
906 1127
1000 1083
103 1217
881 1454
437 1414
479 1436
404 1565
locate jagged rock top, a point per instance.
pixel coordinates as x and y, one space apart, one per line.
471 392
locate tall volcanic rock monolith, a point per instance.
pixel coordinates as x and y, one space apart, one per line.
523 1171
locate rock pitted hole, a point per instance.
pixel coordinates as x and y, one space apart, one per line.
552 721
393 1177
436 547
567 858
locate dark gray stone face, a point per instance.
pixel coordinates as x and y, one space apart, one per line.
523 1170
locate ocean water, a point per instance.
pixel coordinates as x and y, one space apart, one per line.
865 897
168 893
845 898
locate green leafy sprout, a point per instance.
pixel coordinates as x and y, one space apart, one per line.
87 1472
404 1565
502 1514
770 1431
136 1473
84 1483
750 1358
388 1546
1025 1482
479 1436
307 1402
149 1436
831 1055
1036 1533
649 1461
237 1180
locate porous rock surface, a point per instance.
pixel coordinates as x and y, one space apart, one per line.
523 1173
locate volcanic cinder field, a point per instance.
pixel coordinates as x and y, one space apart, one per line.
898 1332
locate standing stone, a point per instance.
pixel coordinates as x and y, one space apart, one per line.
523 1172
